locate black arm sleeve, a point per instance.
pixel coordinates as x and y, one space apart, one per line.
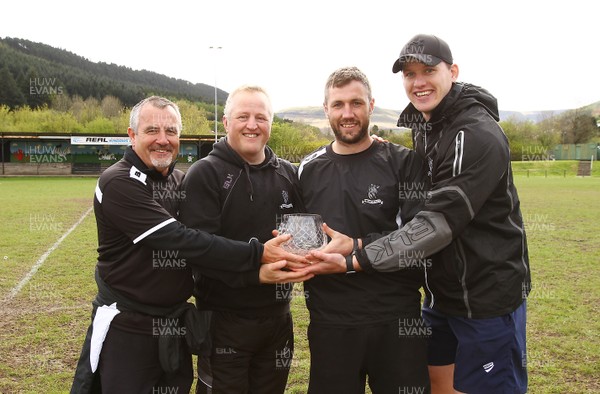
205 250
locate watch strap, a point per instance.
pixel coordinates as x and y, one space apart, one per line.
349 264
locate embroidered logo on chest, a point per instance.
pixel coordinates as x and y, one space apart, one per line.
372 196
286 200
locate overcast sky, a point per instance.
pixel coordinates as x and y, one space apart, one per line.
532 55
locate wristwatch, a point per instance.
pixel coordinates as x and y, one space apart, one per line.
349 263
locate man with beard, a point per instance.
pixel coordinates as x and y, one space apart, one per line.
471 225
356 319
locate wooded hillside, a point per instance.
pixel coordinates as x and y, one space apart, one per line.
31 73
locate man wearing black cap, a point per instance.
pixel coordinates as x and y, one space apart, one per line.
471 227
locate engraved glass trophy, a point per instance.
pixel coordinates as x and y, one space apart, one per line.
306 230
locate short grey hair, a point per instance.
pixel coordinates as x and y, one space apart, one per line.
158 102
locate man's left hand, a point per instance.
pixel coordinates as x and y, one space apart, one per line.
274 252
277 273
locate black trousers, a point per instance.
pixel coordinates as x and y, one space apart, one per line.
249 355
129 364
393 359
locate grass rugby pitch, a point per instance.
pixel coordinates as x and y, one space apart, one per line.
45 312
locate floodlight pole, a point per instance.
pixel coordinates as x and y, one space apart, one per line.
216 122
2 153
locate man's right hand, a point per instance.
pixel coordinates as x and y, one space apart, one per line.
340 243
274 273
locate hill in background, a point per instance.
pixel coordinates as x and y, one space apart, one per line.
31 72
386 119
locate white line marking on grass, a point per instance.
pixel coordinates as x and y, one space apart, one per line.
43 258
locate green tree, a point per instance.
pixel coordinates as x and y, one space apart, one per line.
194 118
59 122
293 141
121 122
10 94
36 96
6 118
578 126
521 139
85 110
100 125
111 106
61 103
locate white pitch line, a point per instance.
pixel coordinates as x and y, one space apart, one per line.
43 258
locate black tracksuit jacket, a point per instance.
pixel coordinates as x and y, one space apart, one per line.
228 197
143 251
471 223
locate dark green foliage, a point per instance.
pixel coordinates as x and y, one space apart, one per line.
42 71
10 94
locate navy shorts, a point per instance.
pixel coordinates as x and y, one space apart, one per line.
489 354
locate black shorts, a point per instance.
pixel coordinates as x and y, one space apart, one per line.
393 359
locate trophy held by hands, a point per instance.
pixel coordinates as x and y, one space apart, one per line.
306 230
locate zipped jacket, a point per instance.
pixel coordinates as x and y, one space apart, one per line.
471 224
145 257
227 196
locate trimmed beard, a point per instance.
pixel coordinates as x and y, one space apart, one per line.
350 140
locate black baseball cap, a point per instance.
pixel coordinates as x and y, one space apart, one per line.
423 48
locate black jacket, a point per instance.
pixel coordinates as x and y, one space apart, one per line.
143 251
228 197
471 224
145 255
